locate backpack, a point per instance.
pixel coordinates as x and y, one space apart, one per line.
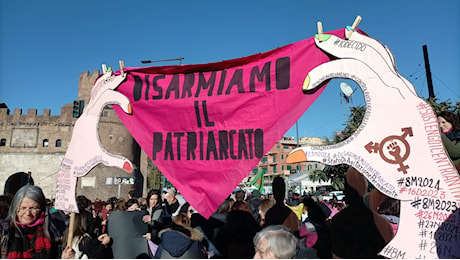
4 238
75 246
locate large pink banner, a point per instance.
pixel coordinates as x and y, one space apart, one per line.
207 126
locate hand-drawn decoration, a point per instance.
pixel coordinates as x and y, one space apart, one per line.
248 104
85 150
393 149
430 189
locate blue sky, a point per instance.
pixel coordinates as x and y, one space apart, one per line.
45 45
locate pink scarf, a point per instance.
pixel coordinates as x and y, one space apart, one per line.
447 131
39 221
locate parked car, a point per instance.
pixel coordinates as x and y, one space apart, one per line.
328 195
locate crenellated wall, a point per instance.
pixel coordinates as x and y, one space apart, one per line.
37 143
86 83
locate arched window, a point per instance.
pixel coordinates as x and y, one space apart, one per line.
3 142
58 143
45 143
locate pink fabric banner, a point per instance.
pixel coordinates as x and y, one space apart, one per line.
207 126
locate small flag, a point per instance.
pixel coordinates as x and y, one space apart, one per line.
298 210
258 180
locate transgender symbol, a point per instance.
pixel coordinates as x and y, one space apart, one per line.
393 149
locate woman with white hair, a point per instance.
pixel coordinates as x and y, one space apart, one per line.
28 234
275 242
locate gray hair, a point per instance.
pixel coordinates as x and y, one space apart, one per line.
280 241
28 191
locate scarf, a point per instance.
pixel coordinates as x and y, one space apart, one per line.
448 131
39 221
29 241
453 135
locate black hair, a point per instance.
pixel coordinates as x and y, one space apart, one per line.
131 202
451 118
279 189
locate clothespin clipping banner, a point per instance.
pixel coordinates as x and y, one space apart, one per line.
320 31
122 66
353 27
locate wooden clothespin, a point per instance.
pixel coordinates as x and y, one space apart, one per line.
104 69
122 66
320 31
353 27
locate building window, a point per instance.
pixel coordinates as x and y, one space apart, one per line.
45 143
286 147
274 169
288 167
282 157
58 143
105 113
282 167
3 142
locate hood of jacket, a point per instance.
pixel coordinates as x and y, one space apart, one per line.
176 242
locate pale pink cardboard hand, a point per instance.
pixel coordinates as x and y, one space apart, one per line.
85 150
397 147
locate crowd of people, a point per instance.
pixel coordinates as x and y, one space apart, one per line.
245 225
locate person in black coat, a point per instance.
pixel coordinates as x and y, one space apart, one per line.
234 238
155 215
357 231
280 214
318 219
254 204
83 244
181 241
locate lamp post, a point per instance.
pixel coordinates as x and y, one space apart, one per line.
162 184
154 61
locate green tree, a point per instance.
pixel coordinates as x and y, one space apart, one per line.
336 173
444 105
352 124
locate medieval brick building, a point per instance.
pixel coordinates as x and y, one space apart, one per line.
36 144
32 147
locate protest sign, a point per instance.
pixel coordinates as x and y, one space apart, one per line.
207 126
397 147
85 150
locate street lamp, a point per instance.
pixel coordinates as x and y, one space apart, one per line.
153 61
148 167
